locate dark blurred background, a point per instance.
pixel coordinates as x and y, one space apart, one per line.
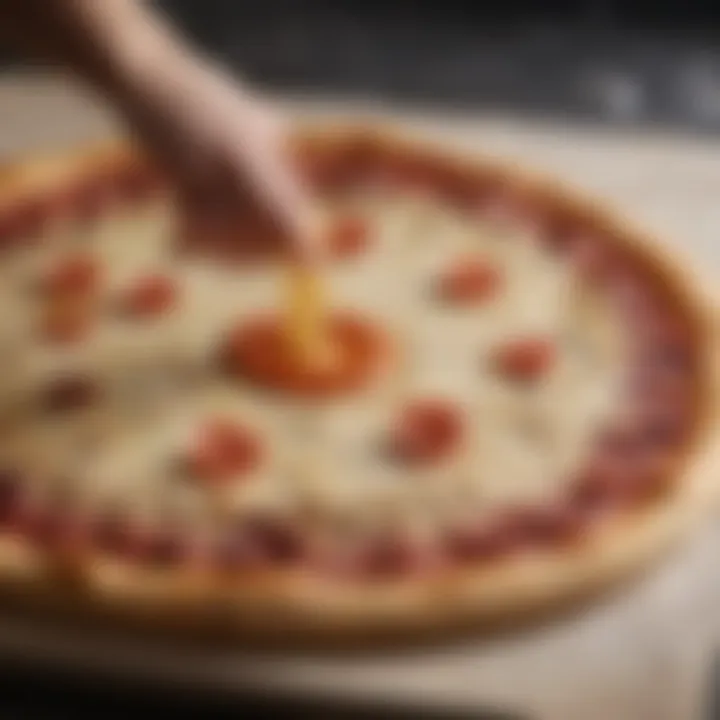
610 61
602 60
613 61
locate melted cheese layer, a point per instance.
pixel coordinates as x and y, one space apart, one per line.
160 378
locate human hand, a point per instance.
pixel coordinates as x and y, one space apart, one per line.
228 151
225 148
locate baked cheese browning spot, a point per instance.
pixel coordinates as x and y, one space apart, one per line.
470 281
223 451
67 305
663 343
281 540
661 403
150 296
611 483
59 524
478 540
113 531
67 320
628 465
544 525
89 203
12 496
592 260
256 536
21 223
68 393
236 550
534 527
76 276
525 359
137 184
166 545
427 431
11 224
394 555
349 235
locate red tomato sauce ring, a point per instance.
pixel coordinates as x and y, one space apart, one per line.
258 351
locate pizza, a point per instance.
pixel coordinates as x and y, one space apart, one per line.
509 404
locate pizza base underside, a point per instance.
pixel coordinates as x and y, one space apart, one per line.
288 606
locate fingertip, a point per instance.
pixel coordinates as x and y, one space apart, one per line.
311 235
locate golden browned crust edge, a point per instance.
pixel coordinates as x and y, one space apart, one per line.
290 607
51 171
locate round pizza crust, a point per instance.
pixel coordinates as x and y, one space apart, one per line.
291 607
